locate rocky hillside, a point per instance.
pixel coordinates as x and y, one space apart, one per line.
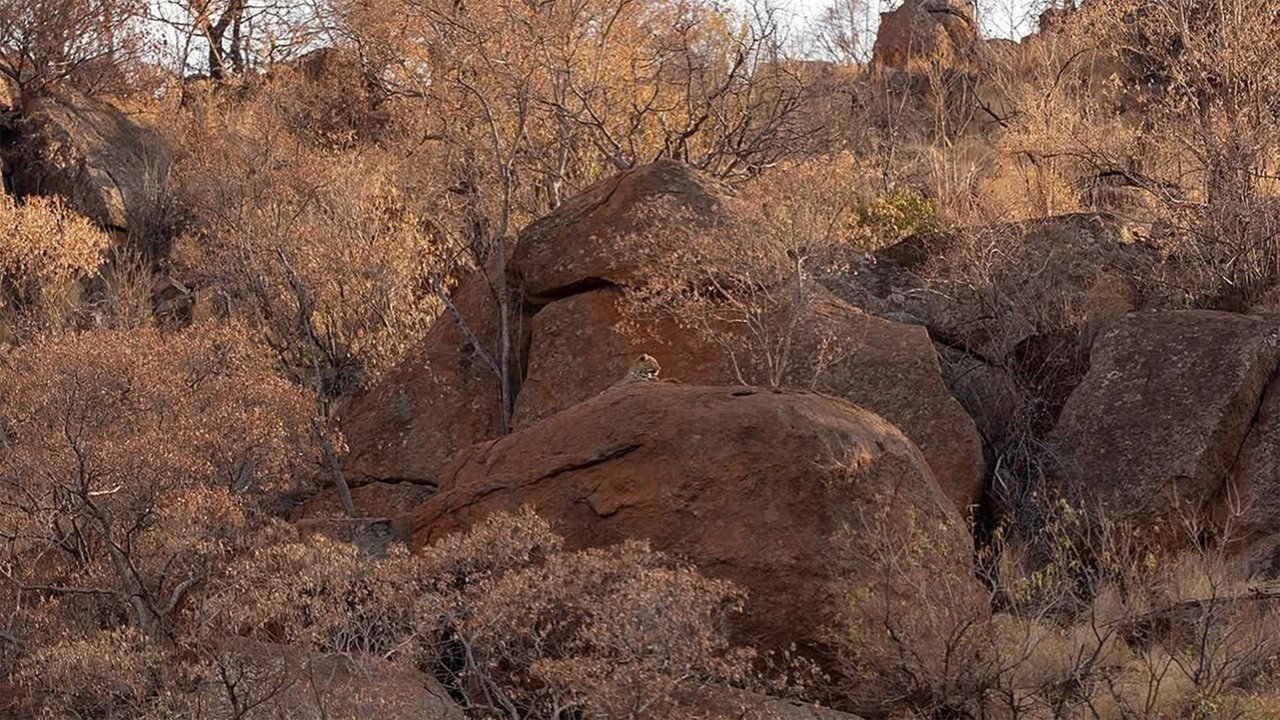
500 361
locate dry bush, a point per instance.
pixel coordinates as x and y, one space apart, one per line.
1057 94
330 98
131 467
915 633
531 630
1090 621
45 249
1174 104
120 297
1099 623
322 596
323 248
615 633
509 621
109 674
681 80
90 44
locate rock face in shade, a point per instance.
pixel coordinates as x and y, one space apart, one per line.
1175 410
104 164
440 399
774 490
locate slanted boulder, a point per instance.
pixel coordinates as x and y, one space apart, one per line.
1166 415
105 164
786 493
610 233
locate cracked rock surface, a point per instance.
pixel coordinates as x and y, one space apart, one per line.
756 486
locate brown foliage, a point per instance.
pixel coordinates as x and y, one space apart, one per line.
508 620
87 43
130 467
330 271
45 249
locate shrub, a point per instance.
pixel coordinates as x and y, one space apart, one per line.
897 215
45 247
325 252
131 466
507 619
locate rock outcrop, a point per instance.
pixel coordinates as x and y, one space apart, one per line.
922 32
1003 285
888 368
782 492
570 270
1025 300
104 164
1174 411
610 233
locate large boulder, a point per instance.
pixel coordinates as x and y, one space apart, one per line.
1251 507
1167 414
440 399
888 368
570 271
105 164
610 232
926 31
788 494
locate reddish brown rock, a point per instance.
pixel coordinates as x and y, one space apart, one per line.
560 374
885 367
442 397
920 32
892 369
1153 433
591 239
779 491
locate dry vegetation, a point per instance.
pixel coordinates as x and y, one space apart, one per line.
340 166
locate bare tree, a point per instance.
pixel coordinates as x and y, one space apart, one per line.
85 42
842 29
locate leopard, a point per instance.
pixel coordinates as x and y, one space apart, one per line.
644 369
